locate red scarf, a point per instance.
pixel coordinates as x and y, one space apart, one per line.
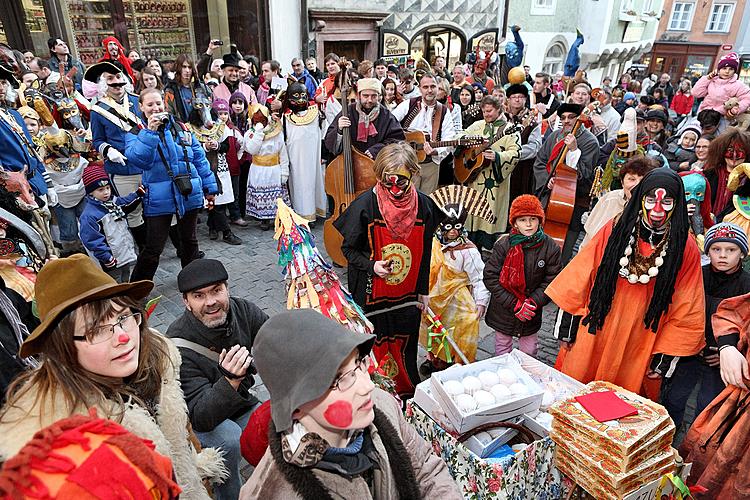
400 214
556 151
512 274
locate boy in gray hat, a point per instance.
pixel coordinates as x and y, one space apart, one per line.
333 434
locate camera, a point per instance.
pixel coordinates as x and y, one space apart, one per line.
217 42
163 117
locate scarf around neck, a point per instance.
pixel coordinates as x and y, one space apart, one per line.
512 275
400 214
366 124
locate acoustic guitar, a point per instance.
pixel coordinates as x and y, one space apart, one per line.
468 163
417 139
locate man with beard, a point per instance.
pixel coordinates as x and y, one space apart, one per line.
114 52
215 335
115 115
529 124
582 156
388 234
638 286
375 125
427 115
302 133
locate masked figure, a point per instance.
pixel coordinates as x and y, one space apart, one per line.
638 285
387 233
739 184
303 137
625 148
697 198
457 292
270 168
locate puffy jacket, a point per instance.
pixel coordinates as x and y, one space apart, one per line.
162 196
105 234
682 103
717 91
541 265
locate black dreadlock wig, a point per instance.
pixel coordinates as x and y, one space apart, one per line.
600 299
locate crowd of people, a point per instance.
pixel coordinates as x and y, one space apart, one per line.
627 206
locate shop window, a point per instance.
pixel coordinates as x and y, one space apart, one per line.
720 18
682 16
433 42
745 71
543 7
697 66
554 59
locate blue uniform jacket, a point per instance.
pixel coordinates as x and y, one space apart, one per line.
105 132
15 155
163 197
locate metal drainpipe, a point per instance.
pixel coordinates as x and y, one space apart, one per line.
304 29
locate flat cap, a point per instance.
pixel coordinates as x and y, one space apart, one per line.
201 273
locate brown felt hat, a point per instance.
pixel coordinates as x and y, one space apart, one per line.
64 284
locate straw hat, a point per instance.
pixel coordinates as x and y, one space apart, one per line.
64 284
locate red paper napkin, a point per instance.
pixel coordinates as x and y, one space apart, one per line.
606 405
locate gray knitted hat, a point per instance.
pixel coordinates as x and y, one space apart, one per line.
297 354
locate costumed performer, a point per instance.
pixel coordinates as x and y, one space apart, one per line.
387 234
638 285
457 294
718 443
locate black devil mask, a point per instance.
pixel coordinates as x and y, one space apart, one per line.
297 97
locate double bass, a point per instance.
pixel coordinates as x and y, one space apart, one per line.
562 197
347 176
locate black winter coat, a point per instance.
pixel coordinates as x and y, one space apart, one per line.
541 265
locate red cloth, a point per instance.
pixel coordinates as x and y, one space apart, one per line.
605 406
400 214
682 104
254 438
722 194
555 154
122 58
512 276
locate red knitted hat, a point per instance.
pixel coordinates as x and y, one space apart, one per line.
526 204
94 176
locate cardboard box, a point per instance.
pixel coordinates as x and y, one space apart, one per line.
554 382
503 411
424 396
484 448
536 425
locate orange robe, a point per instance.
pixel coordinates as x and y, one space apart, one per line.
718 442
622 350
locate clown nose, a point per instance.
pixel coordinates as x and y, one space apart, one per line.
123 338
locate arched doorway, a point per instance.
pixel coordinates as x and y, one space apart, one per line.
441 40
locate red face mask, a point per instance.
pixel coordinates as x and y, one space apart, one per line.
735 151
657 207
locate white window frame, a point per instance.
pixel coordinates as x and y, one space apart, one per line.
543 7
560 62
627 5
690 20
648 6
715 4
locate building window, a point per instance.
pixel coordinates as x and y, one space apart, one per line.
543 7
554 59
720 18
682 16
627 6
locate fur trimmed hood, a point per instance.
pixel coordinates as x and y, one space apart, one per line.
168 432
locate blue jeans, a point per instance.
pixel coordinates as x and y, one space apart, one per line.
226 436
67 220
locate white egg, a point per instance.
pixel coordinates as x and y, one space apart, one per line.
500 391
518 389
488 379
453 387
484 399
506 376
471 384
483 437
465 403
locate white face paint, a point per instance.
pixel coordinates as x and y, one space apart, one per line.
657 207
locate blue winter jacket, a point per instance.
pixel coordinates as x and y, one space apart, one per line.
15 155
310 84
96 223
162 196
105 132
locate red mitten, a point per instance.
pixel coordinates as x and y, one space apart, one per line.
527 310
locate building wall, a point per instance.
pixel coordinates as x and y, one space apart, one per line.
697 33
286 38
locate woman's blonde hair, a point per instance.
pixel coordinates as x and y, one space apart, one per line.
61 373
393 156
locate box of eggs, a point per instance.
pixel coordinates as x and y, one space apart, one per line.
491 390
484 443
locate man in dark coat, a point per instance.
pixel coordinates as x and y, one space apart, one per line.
582 156
370 124
215 335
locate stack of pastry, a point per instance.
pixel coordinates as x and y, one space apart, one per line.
614 458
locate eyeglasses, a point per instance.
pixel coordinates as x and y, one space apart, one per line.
103 333
347 379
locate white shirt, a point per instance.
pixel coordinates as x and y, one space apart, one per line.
423 123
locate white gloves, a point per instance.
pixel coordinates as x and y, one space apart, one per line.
51 197
585 217
115 156
258 127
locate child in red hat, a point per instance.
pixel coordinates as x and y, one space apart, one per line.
521 266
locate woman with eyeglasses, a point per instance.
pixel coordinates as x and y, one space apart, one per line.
95 350
332 433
